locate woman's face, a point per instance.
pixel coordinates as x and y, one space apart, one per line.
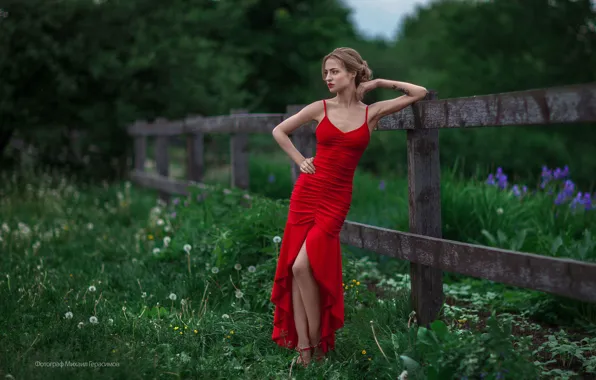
336 76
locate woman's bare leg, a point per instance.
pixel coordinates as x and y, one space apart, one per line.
309 290
300 320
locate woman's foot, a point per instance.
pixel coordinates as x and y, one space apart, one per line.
318 353
305 355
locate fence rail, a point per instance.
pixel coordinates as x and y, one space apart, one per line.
428 253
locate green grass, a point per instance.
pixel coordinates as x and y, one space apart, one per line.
100 252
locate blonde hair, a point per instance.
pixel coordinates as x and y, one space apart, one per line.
352 62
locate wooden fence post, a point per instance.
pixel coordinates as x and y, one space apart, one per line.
195 159
140 152
239 156
424 185
304 141
162 162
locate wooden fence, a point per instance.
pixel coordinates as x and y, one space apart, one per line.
423 246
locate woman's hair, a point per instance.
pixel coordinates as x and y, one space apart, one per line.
352 62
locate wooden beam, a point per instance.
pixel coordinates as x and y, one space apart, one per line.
555 105
140 152
239 153
162 162
565 277
162 184
247 123
547 106
195 153
424 185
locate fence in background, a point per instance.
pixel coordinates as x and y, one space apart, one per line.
428 253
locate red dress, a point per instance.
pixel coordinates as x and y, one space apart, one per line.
318 207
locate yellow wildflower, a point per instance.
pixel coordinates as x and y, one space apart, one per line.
181 333
176 328
353 280
196 332
185 327
363 352
150 237
231 331
357 282
228 337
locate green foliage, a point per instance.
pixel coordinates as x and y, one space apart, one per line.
124 61
468 48
462 355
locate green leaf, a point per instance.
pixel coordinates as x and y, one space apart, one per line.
440 328
427 337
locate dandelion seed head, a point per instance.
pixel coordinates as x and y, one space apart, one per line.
215 270
93 319
92 289
276 239
172 296
68 315
238 266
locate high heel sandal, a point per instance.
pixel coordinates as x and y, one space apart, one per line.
300 351
318 353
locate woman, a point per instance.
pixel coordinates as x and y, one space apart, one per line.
307 289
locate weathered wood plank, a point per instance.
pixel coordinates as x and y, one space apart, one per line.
247 123
565 277
162 162
239 154
195 151
162 184
140 152
160 127
555 105
424 185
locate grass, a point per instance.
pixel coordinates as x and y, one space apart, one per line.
106 282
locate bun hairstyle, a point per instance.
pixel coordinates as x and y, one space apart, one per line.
353 63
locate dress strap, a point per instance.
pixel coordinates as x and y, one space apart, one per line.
325 107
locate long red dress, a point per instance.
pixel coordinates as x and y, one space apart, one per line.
318 207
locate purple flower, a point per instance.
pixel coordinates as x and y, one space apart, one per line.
490 180
271 178
566 193
516 191
577 200
587 201
176 201
382 185
502 181
173 215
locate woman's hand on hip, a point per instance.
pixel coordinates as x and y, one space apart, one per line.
307 166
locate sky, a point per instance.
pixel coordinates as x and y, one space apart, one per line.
381 17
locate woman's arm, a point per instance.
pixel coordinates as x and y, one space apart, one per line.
282 130
413 93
